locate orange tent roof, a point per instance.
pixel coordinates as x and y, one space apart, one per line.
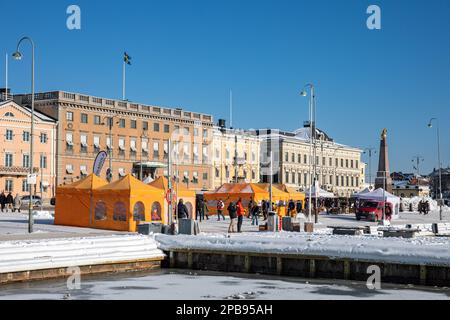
248 188
163 183
128 183
90 182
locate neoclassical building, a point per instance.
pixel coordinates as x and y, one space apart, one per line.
15 159
338 167
226 144
139 137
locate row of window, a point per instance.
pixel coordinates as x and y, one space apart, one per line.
339 181
9 160
230 154
9 186
246 174
122 173
303 159
26 136
97 120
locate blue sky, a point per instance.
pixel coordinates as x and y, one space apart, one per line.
190 53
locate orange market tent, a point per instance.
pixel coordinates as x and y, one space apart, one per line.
231 192
122 204
293 194
73 202
180 191
279 196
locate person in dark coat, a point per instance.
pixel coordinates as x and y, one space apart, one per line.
291 208
298 207
265 209
9 201
182 210
2 200
232 212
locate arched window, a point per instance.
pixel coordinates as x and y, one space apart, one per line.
139 212
190 209
9 114
120 212
156 211
100 211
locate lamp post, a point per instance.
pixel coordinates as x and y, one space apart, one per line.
369 151
311 138
430 125
110 124
17 55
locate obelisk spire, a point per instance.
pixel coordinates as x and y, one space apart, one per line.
383 179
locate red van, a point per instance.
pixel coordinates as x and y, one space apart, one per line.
371 210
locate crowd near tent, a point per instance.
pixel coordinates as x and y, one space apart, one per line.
230 192
73 202
120 205
180 192
381 195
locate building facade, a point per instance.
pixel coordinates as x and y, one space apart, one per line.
409 185
136 135
15 159
338 168
226 144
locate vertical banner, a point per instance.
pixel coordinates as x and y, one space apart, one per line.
98 163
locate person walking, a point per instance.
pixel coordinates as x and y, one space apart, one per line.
298 207
204 211
388 212
251 203
240 214
255 213
232 212
17 203
291 208
220 207
2 200
182 210
265 209
9 202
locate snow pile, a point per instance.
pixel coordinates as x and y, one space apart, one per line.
415 204
430 251
43 215
27 255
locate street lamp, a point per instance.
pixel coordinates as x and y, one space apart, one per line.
110 124
369 151
18 56
311 137
430 125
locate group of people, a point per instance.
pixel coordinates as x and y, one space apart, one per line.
9 202
424 207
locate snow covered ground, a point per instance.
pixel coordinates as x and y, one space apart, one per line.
27 255
182 285
424 250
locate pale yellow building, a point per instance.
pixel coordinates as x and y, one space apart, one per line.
226 143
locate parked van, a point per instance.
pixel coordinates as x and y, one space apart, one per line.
371 210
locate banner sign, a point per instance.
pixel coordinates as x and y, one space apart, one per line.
98 163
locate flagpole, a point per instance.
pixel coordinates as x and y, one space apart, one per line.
123 80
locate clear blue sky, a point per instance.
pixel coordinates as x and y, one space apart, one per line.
189 53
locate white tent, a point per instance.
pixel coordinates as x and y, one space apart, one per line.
381 195
320 193
357 194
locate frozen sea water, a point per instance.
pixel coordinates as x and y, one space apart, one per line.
188 285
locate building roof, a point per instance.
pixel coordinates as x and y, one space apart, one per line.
27 110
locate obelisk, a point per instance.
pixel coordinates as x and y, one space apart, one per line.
383 179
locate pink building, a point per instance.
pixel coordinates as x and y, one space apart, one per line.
15 139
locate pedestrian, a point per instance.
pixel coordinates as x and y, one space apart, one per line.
2 200
205 210
9 201
220 207
232 212
182 210
198 209
291 208
388 212
298 207
265 209
421 207
426 207
240 214
251 203
17 203
255 214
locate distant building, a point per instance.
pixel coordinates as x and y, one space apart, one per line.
226 142
338 167
434 182
409 185
15 124
140 135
